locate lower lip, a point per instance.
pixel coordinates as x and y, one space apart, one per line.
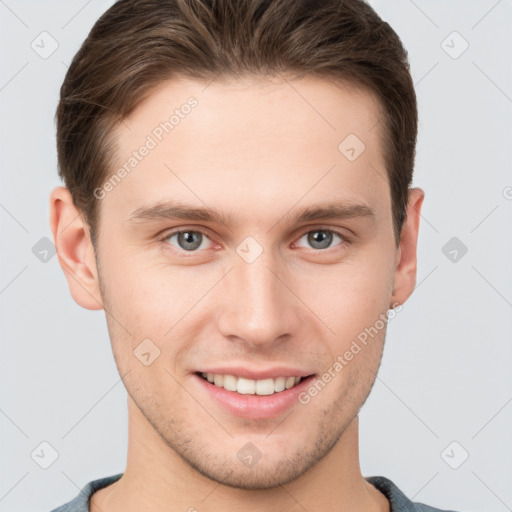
254 406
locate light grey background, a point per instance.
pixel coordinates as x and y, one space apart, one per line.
445 374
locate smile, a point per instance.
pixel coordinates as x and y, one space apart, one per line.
245 386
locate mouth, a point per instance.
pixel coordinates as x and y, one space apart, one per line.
244 386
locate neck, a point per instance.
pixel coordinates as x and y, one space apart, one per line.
157 478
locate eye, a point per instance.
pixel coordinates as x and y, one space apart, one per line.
322 238
187 240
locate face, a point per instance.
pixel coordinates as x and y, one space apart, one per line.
285 257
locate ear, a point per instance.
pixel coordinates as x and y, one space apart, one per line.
405 270
74 249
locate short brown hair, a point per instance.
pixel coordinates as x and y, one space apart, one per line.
136 45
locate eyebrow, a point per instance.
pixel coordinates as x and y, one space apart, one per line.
174 210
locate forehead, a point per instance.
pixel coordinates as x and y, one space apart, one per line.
255 106
249 141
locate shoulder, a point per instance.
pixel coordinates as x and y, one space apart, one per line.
399 502
80 503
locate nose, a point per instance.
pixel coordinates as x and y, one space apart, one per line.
258 306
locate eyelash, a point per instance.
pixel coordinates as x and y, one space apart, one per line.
166 236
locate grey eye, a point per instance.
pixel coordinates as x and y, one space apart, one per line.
188 240
321 238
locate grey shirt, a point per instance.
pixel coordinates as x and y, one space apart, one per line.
397 499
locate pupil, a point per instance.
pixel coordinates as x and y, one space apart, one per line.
323 239
186 240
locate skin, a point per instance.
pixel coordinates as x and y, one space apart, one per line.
257 150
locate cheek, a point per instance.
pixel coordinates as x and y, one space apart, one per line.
151 300
349 296
141 287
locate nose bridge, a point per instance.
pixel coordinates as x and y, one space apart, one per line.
258 307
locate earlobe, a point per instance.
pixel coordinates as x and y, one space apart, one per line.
405 271
74 249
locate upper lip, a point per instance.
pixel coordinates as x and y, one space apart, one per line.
257 374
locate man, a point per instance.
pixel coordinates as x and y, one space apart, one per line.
238 201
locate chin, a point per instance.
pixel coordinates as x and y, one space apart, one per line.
264 476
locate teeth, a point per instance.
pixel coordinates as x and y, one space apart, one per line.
246 386
230 382
265 387
251 387
279 384
290 382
